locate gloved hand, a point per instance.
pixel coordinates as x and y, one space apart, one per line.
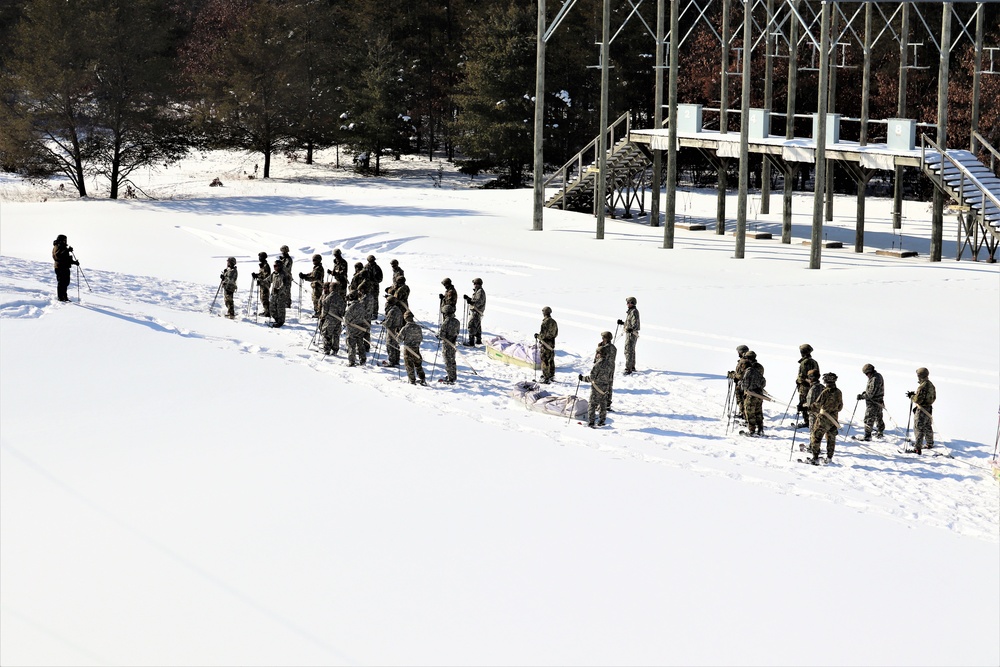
441 297
621 322
254 275
536 336
910 394
301 275
731 375
860 396
580 377
70 248
76 262
466 297
915 408
222 276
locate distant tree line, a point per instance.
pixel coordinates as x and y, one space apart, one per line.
104 87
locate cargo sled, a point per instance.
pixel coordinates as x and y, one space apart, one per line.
540 400
515 354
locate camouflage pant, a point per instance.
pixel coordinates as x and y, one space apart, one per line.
598 403
278 311
265 299
355 346
371 303
801 407
449 360
823 427
317 295
475 327
414 365
331 334
230 302
630 341
753 408
548 353
392 347
923 429
740 399
873 418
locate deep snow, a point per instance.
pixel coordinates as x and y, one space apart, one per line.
179 488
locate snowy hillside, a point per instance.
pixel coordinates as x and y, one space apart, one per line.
179 488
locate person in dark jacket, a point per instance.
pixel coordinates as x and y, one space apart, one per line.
62 257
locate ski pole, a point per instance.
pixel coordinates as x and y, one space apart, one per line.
434 365
615 339
300 301
313 339
80 272
729 398
792 451
906 438
789 406
78 283
212 307
851 423
572 408
378 344
253 281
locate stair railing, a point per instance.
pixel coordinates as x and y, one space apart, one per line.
577 160
994 154
939 181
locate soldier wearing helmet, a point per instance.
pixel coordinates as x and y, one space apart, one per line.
276 283
339 265
228 278
631 324
922 405
826 412
874 398
286 262
815 387
448 335
263 278
449 297
806 364
374 285
752 384
315 278
62 258
609 352
736 376
477 306
546 338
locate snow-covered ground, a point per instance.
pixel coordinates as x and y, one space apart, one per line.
178 488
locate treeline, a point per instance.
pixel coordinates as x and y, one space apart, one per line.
104 87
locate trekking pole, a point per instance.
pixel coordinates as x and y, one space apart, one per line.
300 300
253 281
906 438
788 407
78 283
313 339
615 339
729 398
792 451
79 272
851 423
434 365
378 344
572 409
212 307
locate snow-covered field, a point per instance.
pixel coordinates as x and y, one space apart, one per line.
178 488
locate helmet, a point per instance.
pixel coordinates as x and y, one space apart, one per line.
394 262
446 281
742 349
477 281
317 259
400 279
867 368
750 354
606 335
352 295
829 378
806 348
370 258
337 252
407 315
546 311
812 373
284 248
448 310
390 301
278 263
358 265
922 372
231 260
630 301
262 255
61 238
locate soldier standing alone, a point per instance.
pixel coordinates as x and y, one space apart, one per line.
477 306
546 338
62 257
631 325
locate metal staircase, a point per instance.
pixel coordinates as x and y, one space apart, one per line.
974 186
576 181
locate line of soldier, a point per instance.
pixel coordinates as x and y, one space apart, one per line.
820 401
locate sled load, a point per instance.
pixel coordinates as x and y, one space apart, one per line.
540 400
515 354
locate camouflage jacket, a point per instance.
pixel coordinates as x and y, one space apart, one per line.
632 321
402 294
829 403
875 389
263 271
600 374
411 336
333 305
741 368
449 330
316 276
393 320
478 300
925 395
359 282
814 391
356 318
610 353
339 266
753 378
229 276
375 272
450 297
277 283
286 264
806 364
549 330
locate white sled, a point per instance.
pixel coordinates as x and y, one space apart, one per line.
540 400
515 354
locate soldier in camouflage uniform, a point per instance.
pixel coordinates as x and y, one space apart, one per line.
263 284
448 335
599 379
374 285
477 306
752 384
62 259
357 323
228 278
276 284
874 397
393 322
315 277
546 338
815 387
411 337
339 265
286 263
610 354
450 296
736 375
826 408
402 293
806 364
332 310
631 324
923 400
396 272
